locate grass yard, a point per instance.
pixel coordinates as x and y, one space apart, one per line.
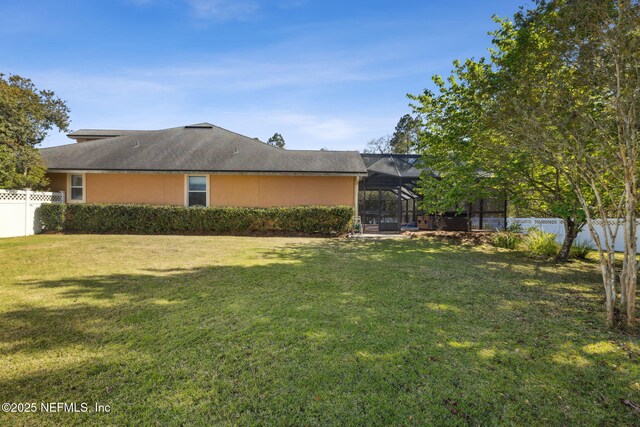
173 330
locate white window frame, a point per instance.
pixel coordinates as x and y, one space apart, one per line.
84 188
186 187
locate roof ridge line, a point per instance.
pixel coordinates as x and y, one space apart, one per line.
248 137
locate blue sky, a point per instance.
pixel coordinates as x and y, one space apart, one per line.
323 73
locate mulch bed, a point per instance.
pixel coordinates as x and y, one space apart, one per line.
478 237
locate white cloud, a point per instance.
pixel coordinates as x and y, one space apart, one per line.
296 87
248 93
223 10
294 65
322 128
213 10
248 75
306 128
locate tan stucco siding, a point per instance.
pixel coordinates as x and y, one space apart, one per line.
224 190
57 181
267 190
130 188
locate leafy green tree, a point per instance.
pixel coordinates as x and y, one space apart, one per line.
570 95
473 160
276 140
26 116
21 167
560 98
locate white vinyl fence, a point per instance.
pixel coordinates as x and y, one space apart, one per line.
488 223
19 211
554 225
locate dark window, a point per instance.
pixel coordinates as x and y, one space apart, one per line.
197 199
77 187
197 187
76 193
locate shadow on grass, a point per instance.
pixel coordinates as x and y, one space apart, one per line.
329 332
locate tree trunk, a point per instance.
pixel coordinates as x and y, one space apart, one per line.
609 280
629 277
571 230
606 252
629 273
627 84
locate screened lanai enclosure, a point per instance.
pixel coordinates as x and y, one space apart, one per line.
386 197
387 200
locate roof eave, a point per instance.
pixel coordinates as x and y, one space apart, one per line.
209 172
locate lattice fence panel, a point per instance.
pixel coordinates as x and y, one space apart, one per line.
34 196
10 196
555 226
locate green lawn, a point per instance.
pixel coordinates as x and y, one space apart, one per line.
173 330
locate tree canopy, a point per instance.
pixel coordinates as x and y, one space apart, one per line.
276 140
474 159
27 114
405 136
552 118
404 139
570 94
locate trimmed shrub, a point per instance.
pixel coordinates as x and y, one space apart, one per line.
538 242
506 239
148 219
52 216
581 249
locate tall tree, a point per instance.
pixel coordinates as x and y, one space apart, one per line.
26 116
560 98
276 140
571 96
562 93
405 137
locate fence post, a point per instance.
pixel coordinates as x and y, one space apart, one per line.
26 210
506 216
62 198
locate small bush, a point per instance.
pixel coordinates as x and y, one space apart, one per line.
148 219
52 216
506 239
538 242
581 249
515 227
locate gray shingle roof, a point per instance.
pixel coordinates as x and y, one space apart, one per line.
202 148
105 133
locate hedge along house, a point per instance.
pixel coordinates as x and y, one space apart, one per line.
199 165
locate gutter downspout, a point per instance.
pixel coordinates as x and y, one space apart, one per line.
355 198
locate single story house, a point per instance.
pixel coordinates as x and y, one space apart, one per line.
205 165
199 165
